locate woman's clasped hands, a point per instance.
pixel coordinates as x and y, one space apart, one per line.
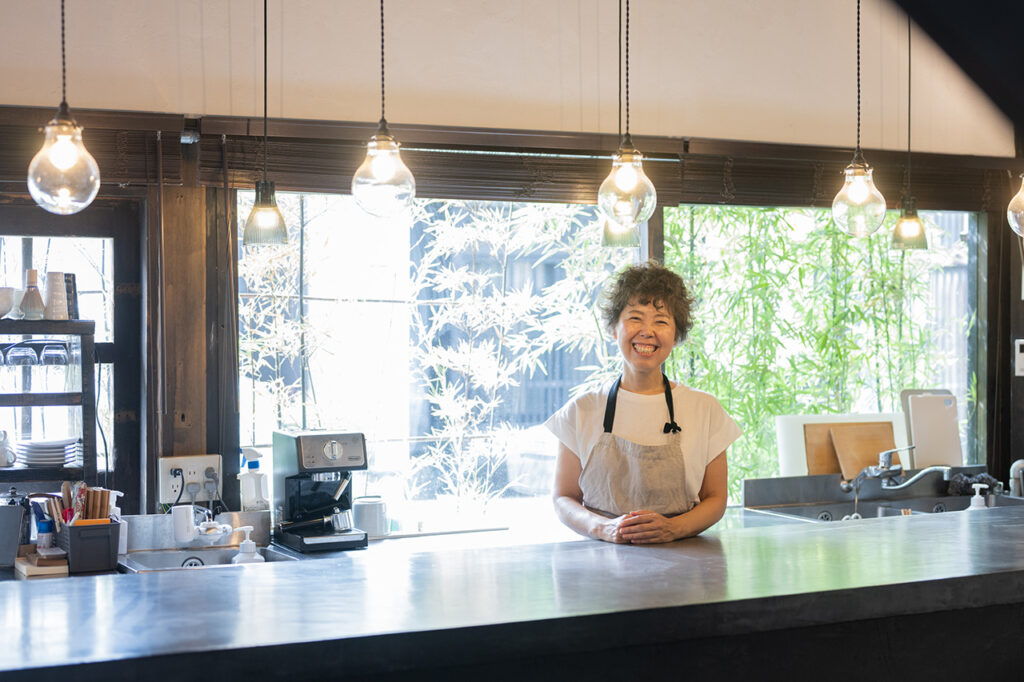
640 527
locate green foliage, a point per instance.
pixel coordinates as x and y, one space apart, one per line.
794 317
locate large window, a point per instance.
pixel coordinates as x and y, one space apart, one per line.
794 317
449 336
446 337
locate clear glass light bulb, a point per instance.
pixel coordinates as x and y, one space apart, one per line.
626 177
63 177
627 196
1015 211
265 224
859 208
64 153
383 185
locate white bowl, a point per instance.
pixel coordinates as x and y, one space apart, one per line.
6 300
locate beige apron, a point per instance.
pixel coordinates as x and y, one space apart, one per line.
621 476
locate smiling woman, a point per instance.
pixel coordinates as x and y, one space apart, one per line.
640 479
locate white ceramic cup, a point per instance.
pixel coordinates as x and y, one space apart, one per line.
370 514
56 304
15 313
6 300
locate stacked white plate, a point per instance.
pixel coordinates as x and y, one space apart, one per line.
49 454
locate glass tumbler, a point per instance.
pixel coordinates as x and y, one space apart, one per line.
54 358
19 356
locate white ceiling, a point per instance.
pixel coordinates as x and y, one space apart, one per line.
779 71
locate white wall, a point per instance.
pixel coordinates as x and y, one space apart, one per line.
778 71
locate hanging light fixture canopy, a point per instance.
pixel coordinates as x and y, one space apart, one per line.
909 232
627 196
63 177
265 224
859 208
383 185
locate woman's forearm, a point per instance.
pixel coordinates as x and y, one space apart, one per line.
705 514
574 515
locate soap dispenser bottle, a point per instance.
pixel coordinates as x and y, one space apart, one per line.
978 501
247 553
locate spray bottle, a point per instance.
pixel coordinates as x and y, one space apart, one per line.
253 483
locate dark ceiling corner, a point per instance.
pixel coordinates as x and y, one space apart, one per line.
983 38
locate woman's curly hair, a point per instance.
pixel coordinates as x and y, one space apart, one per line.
652 283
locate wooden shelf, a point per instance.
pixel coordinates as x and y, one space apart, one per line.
57 327
39 399
18 474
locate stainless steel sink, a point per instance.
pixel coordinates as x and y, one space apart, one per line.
206 557
838 511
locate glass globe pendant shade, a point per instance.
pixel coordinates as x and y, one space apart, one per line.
859 208
265 225
1015 211
627 196
383 185
63 177
909 231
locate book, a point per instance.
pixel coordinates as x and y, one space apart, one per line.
72 292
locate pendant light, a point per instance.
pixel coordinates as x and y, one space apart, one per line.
909 232
1015 211
859 208
383 185
627 197
265 225
63 176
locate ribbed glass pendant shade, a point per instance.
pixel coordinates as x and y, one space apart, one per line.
265 224
909 233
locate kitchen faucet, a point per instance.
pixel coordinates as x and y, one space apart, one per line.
891 474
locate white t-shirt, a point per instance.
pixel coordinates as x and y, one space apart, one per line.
707 429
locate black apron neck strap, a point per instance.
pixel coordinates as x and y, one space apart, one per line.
670 426
609 409
613 395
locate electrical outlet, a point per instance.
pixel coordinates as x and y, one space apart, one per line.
193 468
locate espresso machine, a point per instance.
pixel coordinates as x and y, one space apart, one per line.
312 491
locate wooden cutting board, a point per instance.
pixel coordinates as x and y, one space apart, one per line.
934 431
857 445
822 457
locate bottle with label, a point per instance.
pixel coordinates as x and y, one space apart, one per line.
253 483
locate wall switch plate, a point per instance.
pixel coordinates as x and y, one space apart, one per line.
193 468
1018 358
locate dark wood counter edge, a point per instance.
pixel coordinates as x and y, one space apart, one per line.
939 626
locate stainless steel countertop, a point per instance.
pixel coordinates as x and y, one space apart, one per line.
742 577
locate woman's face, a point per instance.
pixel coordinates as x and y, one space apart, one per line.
646 334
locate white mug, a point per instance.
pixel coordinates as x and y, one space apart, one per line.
370 514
